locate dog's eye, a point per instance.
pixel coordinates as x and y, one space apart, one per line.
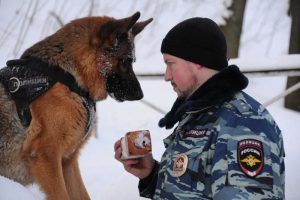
122 37
130 60
124 65
123 68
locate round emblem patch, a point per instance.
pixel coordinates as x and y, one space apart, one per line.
180 165
250 156
14 84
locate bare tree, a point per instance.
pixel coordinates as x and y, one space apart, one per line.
292 101
57 18
26 24
233 27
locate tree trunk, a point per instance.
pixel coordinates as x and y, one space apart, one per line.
233 27
292 101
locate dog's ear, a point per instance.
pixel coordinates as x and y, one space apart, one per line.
118 28
127 23
138 27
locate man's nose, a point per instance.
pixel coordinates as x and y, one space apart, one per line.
168 76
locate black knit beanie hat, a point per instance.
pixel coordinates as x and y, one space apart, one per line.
199 40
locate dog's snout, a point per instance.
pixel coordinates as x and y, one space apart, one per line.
140 96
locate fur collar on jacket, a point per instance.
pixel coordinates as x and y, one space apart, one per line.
218 89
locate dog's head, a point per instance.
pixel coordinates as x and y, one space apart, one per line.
121 82
98 52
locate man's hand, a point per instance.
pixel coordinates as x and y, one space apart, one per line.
140 167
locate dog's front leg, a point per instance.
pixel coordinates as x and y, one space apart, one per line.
46 169
73 180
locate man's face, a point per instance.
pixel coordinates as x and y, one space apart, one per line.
182 75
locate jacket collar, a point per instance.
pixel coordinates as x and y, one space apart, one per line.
219 88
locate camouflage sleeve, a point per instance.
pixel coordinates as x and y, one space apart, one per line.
247 165
148 184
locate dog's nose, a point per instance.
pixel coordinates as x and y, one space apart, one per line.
138 96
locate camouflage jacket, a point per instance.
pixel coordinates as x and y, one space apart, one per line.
224 148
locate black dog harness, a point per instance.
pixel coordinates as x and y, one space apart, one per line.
27 79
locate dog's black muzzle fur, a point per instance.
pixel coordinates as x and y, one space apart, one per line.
124 87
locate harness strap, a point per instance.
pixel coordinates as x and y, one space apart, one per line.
54 72
27 79
90 107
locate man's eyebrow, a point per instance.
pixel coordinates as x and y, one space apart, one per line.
167 61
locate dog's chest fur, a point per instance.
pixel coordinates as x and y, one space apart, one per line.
69 119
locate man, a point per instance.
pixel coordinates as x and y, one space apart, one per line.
226 145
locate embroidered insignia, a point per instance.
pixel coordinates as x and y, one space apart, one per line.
250 156
180 165
196 133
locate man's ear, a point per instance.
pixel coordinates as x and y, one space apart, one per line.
199 66
138 27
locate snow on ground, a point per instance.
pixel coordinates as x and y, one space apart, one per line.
13 190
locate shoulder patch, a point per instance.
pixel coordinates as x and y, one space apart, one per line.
250 156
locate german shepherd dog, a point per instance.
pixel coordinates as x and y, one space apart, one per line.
97 54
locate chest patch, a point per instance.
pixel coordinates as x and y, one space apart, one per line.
250 156
196 133
180 165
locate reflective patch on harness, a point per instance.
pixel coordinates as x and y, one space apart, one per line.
16 83
250 156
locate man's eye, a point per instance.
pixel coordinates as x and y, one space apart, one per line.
170 64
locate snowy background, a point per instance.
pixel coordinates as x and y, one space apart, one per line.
265 35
